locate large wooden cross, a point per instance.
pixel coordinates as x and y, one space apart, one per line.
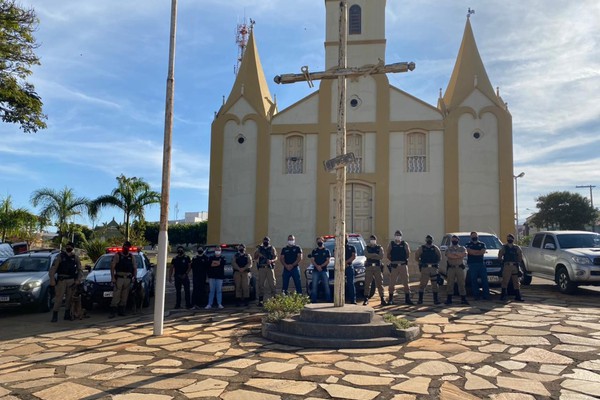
341 73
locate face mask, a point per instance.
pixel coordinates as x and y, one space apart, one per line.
510 240
291 242
429 241
455 242
180 251
320 244
69 249
265 243
241 249
398 238
474 239
217 253
373 241
200 252
125 250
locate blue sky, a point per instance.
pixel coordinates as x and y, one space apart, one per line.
104 69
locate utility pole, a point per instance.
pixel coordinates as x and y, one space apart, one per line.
341 73
591 202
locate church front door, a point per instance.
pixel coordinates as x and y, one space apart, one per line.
359 209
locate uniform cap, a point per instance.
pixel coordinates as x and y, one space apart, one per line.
373 237
267 238
398 233
127 244
429 237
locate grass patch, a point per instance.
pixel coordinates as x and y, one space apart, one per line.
284 306
399 323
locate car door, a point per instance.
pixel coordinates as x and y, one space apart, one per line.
549 254
534 254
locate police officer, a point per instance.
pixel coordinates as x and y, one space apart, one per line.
265 255
455 255
241 263
180 267
510 256
477 270
123 270
349 256
398 252
291 255
373 269
428 256
64 274
200 264
320 256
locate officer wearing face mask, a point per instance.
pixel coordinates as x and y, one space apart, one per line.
200 264
477 270
123 270
290 258
374 270
64 274
241 263
398 252
265 257
510 256
320 256
180 267
455 254
428 256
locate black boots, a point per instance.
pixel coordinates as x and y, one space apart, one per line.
366 301
113 312
54 316
463 300
503 295
238 302
247 301
420 298
407 299
383 303
391 300
260 301
121 311
518 295
67 315
436 301
448 299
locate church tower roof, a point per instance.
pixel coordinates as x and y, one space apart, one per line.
468 74
250 82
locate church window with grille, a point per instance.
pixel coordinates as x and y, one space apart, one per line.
354 144
354 20
416 158
294 154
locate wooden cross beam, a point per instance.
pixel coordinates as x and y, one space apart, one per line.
341 73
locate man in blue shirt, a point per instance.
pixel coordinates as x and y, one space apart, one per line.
291 255
320 256
477 270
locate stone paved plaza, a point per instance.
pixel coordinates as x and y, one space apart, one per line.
547 347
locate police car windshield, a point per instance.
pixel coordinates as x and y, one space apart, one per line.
103 262
360 251
226 252
26 264
491 242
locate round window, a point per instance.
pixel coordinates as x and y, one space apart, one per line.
477 135
240 139
355 101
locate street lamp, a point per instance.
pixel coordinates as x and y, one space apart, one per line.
522 174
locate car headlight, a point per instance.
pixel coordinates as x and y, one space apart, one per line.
581 260
88 285
359 270
29 286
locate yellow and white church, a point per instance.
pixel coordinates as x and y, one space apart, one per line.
419 168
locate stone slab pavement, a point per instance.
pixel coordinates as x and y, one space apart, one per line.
547 347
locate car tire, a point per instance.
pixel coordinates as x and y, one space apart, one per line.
46 302
146 302
526 277
563 280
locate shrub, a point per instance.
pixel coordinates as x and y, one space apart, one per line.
95 248
399 323
284 306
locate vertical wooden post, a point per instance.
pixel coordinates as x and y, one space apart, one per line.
340 221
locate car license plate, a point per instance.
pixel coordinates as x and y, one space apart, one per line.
228 289
108 294
493 279
4 298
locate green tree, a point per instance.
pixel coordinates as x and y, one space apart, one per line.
59 205
563 210
15 221
131 195
19 102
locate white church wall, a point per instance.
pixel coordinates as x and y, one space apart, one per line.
241 108
417 198
478 169
292 197
477 100
403 107
303 112
238 187
365 92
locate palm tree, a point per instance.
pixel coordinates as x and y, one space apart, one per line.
61 206
131 195
12 219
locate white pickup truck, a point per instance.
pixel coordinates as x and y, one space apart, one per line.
569 258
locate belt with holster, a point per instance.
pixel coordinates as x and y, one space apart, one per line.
123 275
270 266
65 277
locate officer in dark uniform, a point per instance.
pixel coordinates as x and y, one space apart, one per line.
241 263
123 270
350 255
510 256
320 256
265 255
374 269
64 274
200 264
180 267
291 255
428 256
398 252
477 269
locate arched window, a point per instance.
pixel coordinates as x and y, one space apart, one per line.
354 144
354 20
294 154
416 154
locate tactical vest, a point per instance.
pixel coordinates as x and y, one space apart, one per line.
510 254
125 264
373 250
398 251
241 259
266 254
428 255
67 265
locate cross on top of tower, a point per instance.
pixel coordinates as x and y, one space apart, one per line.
469 12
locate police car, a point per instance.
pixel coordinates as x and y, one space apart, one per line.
228 251
359 244
98 288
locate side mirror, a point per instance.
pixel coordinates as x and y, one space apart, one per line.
549 246
443 248
88 268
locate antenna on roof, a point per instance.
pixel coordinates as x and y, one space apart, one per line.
469 12
241 40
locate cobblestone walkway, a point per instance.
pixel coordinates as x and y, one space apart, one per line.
544 348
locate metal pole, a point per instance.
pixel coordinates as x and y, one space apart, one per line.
340 222
516 177
163 239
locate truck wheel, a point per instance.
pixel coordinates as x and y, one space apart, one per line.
526 278
46 302
565 285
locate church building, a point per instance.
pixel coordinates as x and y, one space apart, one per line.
419 168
